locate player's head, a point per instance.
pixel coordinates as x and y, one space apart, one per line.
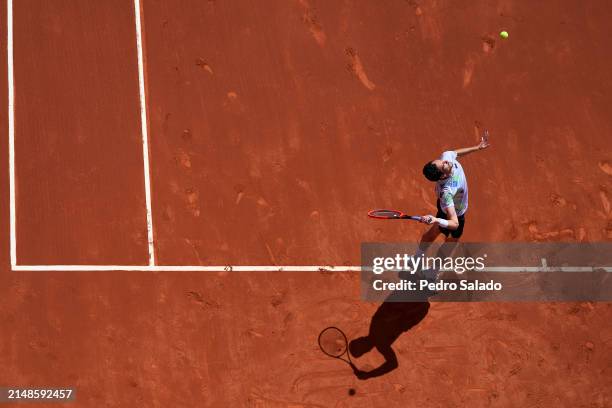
437 170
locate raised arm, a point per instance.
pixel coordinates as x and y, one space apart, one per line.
484 143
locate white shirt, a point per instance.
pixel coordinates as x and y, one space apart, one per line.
453 191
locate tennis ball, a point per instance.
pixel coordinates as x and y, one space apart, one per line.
503 34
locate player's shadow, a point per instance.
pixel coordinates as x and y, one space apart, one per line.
393 317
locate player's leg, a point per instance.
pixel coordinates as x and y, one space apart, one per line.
447 248
456 234
450 243
426 240
428 237
432 233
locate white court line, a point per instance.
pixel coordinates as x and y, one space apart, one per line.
144 129
260 268
145 132
184 268
11 131
11 134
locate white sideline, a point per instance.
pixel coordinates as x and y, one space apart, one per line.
11 131
145 132
260 268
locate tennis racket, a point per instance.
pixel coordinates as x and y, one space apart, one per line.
334 343
392 215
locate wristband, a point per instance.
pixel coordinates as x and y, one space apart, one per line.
443 223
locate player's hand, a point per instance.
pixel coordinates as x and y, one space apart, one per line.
484 141
428 219
362 375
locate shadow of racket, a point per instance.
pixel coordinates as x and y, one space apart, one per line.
334 343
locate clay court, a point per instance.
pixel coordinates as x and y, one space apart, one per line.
184 188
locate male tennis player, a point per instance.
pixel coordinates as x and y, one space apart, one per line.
451 191
452 201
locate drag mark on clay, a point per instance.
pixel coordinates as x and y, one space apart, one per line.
488 43
356 67
203 65
606 167
168 213
557 200
312 22
198 299
270 253
195 246
468 72
306 380
239 189
183 159
478 129
429 24
254 334
605 202
387 154
564 233
186 135
192 199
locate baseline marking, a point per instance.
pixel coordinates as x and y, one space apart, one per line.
185 268
260 268
11 131
145 132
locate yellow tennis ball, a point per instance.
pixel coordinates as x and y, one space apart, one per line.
503 34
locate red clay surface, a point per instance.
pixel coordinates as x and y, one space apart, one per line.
274 127
77 135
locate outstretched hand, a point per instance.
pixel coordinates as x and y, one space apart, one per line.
484 141
362 375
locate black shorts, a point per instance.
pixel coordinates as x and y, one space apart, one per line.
456 233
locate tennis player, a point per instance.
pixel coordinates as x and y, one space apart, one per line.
452 201
451 193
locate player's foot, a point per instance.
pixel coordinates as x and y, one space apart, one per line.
431 275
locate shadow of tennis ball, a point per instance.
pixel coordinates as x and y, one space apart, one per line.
351 391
